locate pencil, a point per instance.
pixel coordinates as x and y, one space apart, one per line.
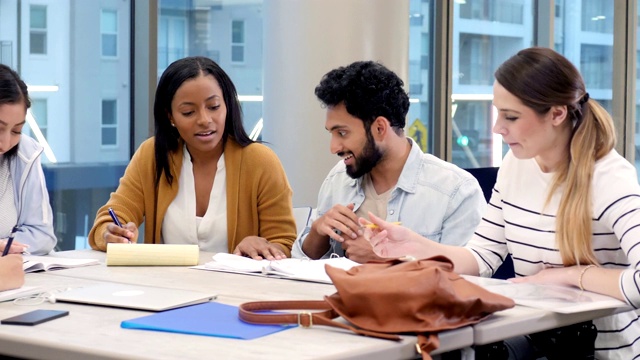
374 226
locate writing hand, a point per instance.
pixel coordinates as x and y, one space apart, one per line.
259 248
11 273
16 247
341 218
125 234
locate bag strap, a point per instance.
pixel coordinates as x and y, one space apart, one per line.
253 312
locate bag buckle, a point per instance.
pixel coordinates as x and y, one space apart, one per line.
300 318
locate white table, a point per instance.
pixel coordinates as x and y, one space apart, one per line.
93 331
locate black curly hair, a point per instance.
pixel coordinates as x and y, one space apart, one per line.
368 90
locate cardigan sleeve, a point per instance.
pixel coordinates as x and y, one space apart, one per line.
128 199
273 197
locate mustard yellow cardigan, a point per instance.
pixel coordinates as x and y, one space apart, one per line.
258 196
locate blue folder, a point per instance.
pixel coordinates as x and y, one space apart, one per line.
210 319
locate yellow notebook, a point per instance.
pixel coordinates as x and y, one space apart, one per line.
152 255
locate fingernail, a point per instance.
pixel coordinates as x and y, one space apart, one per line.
354 235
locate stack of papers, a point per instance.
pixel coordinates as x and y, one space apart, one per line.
295 269
20 292
556 298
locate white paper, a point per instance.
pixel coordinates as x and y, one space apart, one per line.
561 299
296 269
47 263
20 292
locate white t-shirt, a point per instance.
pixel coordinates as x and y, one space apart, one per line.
182 226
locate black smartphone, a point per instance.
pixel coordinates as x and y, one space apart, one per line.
34 317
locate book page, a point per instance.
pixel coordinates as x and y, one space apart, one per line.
152 254
297 269
561 299
34 263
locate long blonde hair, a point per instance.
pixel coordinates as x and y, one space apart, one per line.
542 78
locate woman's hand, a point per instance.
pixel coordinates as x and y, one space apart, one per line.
259 248
391 240
116 234
16 247
11 273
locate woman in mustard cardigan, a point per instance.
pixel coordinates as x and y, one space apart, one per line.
201 179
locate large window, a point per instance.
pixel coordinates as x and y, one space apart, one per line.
38 29
419 120
109 32
486 33
88 61
213 28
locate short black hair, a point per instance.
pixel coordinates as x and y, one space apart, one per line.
368 90
167 136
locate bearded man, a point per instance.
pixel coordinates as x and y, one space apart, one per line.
382 171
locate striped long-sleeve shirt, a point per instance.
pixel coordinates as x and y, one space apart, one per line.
518 222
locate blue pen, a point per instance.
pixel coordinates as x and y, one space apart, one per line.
115 218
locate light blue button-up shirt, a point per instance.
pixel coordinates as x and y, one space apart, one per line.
434 198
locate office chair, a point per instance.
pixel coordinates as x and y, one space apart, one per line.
487 178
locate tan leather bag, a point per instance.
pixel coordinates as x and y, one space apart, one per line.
388 298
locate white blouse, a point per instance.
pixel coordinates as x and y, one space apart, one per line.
181 226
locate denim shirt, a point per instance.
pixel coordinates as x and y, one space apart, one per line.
434 198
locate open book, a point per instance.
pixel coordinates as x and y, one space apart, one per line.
295 269
34 263
556 298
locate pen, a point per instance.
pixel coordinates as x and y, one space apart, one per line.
7 246
115 218
374 226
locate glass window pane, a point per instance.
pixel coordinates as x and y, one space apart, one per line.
591 53
109 136
38 43
486 33
211 28
109 112
109 45
237 32
38 17
419 119
73 81
109 22
39 111
237 53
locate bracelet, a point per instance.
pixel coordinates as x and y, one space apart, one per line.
584 270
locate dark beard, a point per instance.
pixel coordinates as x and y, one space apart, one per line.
368 159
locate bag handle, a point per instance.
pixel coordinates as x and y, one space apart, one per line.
251 312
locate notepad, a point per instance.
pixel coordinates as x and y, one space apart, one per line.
209 319
7 295
34 263
152 254
294 269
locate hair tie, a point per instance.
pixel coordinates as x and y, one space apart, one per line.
584 99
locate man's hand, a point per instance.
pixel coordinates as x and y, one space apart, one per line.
341 218
359 250
339 223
